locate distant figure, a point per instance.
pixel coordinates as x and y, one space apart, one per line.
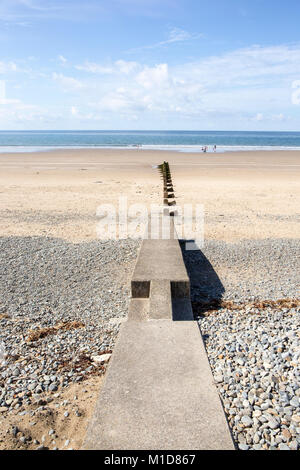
215 148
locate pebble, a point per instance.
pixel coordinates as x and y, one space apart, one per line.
247 422
255 349
284 447
44 282
243 447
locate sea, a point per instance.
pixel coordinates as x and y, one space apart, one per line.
181 141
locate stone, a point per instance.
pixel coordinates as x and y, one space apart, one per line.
246 421
286 434
53 387
218 378
101 358
243 447
293 445
273 423
284 447
15 431
294 402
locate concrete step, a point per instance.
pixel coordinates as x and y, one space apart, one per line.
160 260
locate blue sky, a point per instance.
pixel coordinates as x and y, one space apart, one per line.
150 64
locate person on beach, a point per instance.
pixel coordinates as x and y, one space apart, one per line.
215 148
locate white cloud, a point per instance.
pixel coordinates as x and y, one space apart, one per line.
120 66
179 35
3 99
296 94
67 83
114 102
251 66
278 117
94 68
238 83
80 116
6 67
152 77
252 86
62 59
2 90
16 112
126 67
259 117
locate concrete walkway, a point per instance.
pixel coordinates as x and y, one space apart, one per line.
159 391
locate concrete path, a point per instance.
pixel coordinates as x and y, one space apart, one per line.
159 391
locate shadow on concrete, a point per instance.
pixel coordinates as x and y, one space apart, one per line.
182 310
206 287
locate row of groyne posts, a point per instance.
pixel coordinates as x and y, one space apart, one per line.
169 196
159 392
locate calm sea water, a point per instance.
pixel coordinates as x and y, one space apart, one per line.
185 141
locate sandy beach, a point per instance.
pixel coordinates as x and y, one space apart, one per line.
64 293
245 195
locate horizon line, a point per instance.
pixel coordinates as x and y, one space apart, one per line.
144 130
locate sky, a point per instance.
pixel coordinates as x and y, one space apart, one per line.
150 64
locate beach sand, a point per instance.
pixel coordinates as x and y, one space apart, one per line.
48 204
245 195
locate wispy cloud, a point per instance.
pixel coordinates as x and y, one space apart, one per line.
62 59
27 12
18 10
21 11
175 35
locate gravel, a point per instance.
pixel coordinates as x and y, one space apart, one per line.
61 303
252 338
243 271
